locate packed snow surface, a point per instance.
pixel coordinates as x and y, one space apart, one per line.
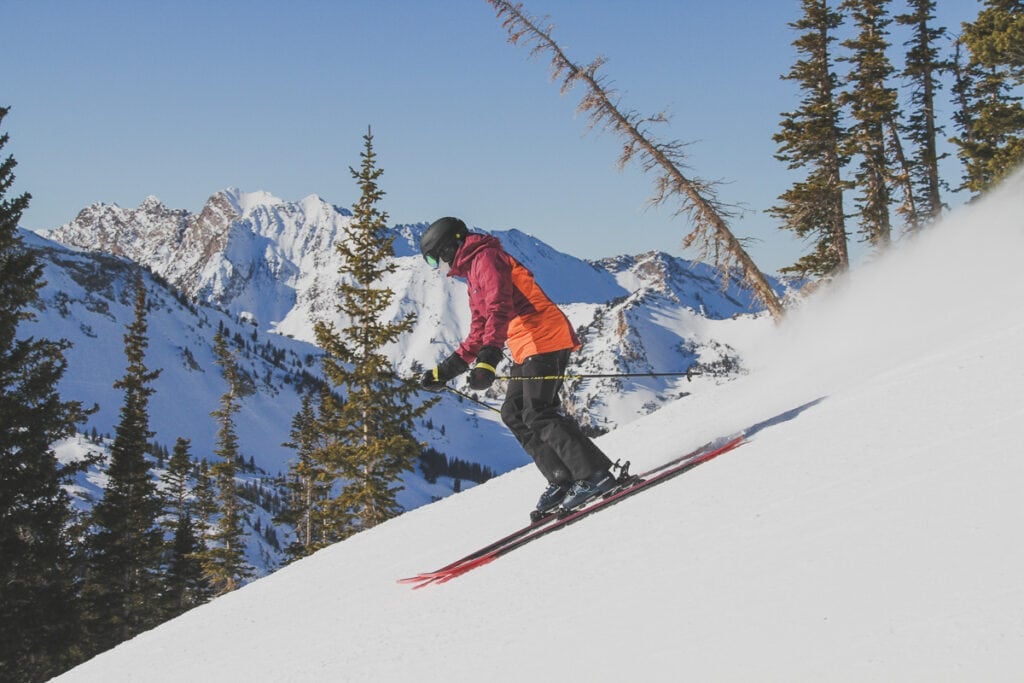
868 530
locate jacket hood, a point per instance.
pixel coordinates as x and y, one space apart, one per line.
473 244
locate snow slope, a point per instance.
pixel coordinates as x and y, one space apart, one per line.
869 530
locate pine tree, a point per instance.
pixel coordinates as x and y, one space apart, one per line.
996 37
224 560
873 106
370 434
812 138
923 67
308 485
991 118
332 519
124 581
176 480
38 596
204 508
186 584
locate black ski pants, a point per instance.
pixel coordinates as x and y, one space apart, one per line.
532 410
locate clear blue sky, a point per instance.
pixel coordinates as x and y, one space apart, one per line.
114 100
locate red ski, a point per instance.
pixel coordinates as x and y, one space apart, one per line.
548 524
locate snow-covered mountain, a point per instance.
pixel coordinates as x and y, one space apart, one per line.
265 270
274 263
866 531
249 253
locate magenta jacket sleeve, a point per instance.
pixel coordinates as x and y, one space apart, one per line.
490 302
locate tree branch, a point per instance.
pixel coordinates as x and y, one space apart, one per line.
696 198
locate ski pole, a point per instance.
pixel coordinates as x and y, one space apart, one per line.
469 397
472 398
686 374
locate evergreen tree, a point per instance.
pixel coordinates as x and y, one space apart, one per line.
38 593
176 480
186 584
224 560
812 138
371 432
204 508
991 118
332 519
996 37
923 67
124 581
308 485
873 106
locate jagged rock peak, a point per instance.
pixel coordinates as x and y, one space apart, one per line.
245 202
152 203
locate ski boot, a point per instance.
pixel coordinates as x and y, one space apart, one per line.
584 490
549 500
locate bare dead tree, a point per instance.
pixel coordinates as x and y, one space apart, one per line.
694 198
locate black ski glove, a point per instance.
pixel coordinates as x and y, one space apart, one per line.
447 370
482 374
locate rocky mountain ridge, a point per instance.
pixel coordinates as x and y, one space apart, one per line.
273 262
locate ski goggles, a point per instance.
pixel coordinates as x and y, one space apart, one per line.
431 260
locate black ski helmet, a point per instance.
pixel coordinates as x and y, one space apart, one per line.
442 240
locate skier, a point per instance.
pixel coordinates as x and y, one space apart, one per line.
507 306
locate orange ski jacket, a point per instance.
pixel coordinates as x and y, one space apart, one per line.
506 304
